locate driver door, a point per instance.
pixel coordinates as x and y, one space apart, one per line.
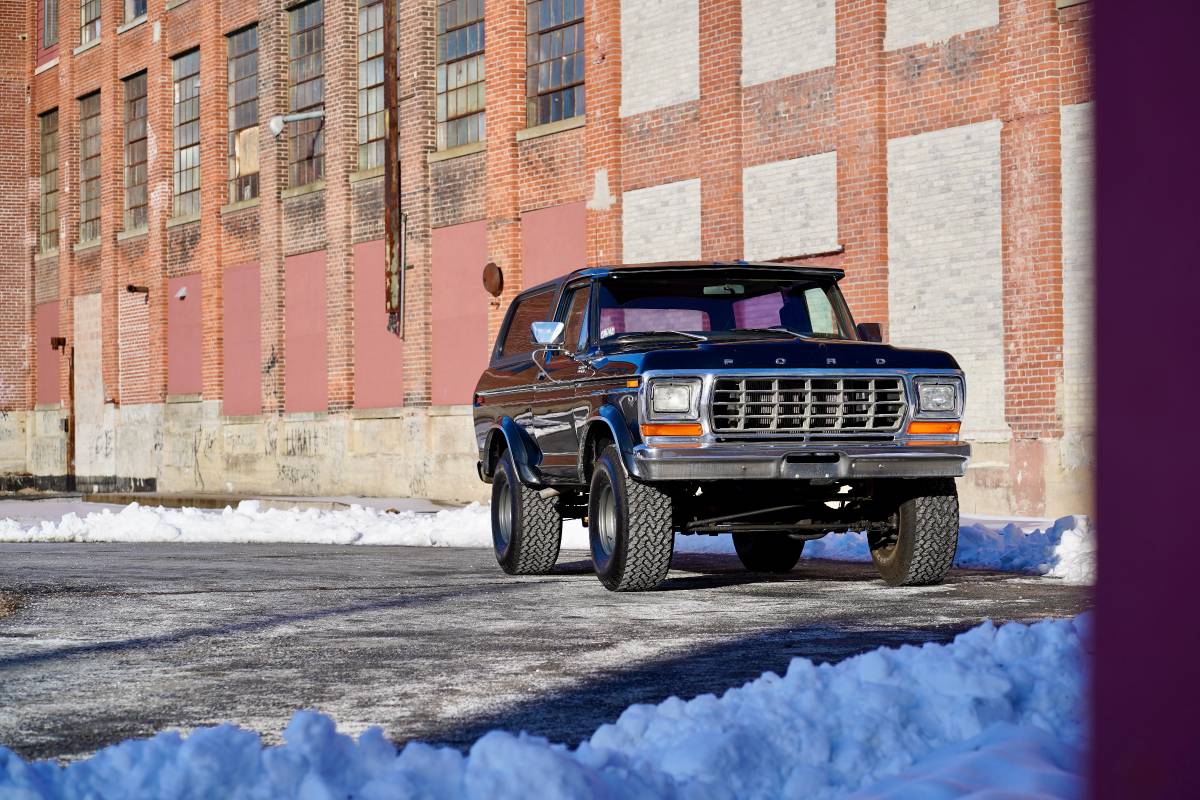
558 410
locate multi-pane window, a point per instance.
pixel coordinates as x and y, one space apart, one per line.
135 152
554 58
48 207
89 168
243 115
460 78
306 92
134 9
372 122
89 21
186 72
49 23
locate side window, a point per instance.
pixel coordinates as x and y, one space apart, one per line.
518 338
820 312
575 318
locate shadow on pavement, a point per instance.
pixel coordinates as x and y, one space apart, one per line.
569 716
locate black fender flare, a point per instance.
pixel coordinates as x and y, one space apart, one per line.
612 419
525 453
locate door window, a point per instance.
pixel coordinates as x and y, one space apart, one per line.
575 318
518 336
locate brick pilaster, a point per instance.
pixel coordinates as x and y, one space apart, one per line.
721 129
341 159
272 155
505 32
603 132
1031 181
862 154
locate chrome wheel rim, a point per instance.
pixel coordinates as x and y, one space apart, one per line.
504 516
606 520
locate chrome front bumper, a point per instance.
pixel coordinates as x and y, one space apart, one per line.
775 461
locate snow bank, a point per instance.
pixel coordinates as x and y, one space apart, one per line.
1065 550
999 709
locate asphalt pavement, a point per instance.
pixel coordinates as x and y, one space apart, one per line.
102 642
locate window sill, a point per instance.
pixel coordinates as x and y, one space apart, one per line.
133 23
457 152
93 244
551 128
49 65
43 407
186 219
177 399
132 233
240 205
1061 4
366 174
308 188
46 255
174 4
85 47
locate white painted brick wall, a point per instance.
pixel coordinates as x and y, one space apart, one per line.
945 283
662 223
1078 165
912 22
786 37
660 54
790 207
95 433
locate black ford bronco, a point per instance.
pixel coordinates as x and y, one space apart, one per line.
710 398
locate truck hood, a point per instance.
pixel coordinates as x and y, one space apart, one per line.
774 354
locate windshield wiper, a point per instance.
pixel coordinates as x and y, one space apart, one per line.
643 334
789 332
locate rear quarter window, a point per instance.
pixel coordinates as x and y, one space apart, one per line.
518 338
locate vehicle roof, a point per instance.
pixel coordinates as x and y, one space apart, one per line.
836 273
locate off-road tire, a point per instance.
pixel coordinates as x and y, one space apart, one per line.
535 524
643 538
767 552
921 550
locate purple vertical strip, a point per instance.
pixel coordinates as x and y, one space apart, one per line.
1147 655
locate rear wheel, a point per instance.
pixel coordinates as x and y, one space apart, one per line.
767 552
629 525
920 551
526 527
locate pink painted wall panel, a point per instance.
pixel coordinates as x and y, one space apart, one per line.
305 365
184 335
45 326
378 353
460 312
243 345
553 241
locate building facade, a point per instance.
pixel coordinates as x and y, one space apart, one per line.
193 303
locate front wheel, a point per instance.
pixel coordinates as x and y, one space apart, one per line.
526 527
767 552
629 527
920 551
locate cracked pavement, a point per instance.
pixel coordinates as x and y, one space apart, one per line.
102 642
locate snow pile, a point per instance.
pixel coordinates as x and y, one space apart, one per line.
1064 550
999 708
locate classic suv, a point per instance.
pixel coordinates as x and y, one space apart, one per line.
710 398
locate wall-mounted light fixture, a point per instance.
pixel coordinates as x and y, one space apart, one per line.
134 289
277 123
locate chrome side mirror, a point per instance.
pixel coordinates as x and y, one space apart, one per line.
870 331
548 334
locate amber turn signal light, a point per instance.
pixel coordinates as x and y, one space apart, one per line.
933 427
672 429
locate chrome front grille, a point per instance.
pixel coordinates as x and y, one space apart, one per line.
807 406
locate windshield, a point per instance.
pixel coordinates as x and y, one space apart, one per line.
686 306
